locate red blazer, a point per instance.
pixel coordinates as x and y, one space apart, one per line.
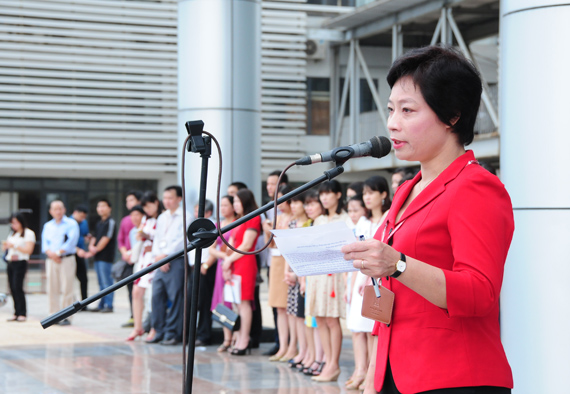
462 223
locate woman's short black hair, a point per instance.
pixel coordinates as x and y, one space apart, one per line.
379 184
333 187
449 83
150 196
358 198
312 196
247 200
356 186
229 198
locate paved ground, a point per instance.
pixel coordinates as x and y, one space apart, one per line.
90 356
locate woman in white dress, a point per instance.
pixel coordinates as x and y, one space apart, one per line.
377 201
152 208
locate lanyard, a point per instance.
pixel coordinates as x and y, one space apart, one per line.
391 232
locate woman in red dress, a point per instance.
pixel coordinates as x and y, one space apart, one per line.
244 237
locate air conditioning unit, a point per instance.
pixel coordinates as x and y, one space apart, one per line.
316 49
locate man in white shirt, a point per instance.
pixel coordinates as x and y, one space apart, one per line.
168 282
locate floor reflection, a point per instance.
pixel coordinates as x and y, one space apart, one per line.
139 368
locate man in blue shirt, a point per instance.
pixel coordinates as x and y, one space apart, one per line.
80 216
59 239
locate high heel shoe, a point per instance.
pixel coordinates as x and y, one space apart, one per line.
242 352
354 383
295 365
332 378
275 357
314 371
224 346
286 359
134 336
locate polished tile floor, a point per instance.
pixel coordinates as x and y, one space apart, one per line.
91 357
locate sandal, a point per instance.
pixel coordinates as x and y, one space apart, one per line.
14 318
314 371
224 346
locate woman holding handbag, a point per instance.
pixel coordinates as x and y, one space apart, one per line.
18 248
219 250
244 238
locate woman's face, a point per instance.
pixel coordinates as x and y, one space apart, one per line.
373 198
355 211
415 130
313 209
297 208
226 208
329 199
151 209
16 225
283 207
238 207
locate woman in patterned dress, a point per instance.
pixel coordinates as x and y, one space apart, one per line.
327 291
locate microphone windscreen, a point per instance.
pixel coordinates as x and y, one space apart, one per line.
381 146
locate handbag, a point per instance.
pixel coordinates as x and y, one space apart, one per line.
232 290
117 269
226 317
136 252
377 308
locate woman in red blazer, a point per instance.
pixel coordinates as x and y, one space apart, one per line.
443 246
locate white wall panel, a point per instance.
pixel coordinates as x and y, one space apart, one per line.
88 85
283 93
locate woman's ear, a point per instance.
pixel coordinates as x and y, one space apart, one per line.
339 195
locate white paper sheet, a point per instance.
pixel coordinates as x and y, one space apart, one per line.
316 250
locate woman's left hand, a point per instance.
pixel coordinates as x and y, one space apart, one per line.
372 257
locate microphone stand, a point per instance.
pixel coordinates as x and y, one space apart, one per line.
201 234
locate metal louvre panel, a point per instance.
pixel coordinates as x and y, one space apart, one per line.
283 93
89 85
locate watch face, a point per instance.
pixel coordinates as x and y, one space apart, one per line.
401 266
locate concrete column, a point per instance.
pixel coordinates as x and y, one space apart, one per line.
219 82
534 86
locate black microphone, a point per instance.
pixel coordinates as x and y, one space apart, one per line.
377 147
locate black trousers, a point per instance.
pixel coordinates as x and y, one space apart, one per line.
256 323
390 387
16 274
205 293
276 335
81 275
